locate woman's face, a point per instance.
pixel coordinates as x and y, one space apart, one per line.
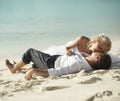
97 47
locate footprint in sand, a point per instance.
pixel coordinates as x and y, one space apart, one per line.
116 75
90 98
100 72
117 78
51 88
16 86
91 80
22 86
2 82
70 76
99 96
117 72
107 93
5 93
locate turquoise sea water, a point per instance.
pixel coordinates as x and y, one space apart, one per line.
43 23
19 42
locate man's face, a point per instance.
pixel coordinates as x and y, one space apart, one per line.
95 56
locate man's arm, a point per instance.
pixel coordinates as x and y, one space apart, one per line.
72 68
63 70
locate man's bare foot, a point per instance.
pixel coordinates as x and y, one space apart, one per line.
10 66
14 62
28 75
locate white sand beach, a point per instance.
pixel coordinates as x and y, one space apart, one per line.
99 85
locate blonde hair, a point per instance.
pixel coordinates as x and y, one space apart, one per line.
102 39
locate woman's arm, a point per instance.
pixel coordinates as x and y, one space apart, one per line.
77 42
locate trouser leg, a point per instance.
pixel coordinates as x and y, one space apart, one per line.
38 58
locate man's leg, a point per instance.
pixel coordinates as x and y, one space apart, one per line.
26 59
16 67
43 72
38 58
28 75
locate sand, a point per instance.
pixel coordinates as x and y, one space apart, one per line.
98 85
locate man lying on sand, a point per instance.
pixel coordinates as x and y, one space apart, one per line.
56 65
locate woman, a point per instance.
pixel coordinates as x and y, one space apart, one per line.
100 43
83 44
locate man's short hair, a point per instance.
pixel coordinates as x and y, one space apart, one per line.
103 63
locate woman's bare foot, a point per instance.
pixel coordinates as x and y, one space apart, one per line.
28 75
10 66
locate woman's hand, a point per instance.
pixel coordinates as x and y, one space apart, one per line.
69 53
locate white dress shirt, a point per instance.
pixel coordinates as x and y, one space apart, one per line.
69 64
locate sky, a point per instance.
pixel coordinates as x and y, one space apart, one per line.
60 16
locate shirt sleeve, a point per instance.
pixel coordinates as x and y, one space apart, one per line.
63 70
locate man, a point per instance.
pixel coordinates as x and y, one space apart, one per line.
56 65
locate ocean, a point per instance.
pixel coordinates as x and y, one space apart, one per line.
13 43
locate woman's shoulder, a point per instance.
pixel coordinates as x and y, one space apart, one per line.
83 38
